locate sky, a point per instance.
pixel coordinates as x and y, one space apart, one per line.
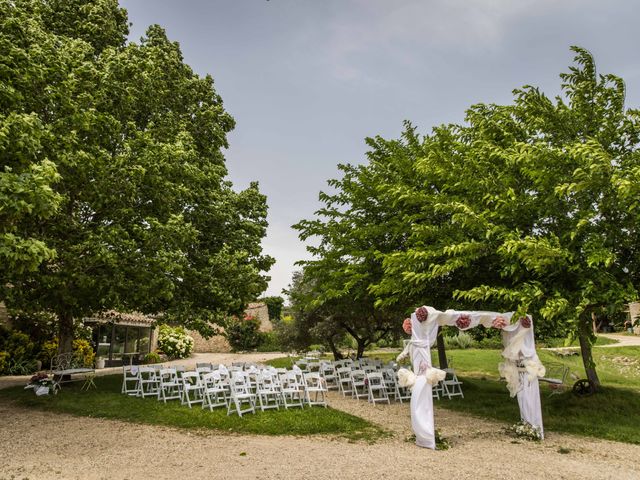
308 80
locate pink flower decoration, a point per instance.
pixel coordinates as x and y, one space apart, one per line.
525 322
406 326
499 322
463 321
422 314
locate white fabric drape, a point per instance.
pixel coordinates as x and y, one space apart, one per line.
519 354
422 337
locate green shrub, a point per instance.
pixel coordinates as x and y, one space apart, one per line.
462 340
152 357
270 342
490 343
243 334
4 361
174 342
83 352
21 354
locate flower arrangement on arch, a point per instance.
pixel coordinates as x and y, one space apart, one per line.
525 322
499 322
463 321
422 314
406 326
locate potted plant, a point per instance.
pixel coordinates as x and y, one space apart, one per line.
100 362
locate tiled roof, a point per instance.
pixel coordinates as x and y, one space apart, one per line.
130 318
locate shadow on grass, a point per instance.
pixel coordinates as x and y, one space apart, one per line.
612 414
107 402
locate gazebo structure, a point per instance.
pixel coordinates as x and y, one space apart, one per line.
521 367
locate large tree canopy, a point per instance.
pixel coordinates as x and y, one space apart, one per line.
531 206
134 211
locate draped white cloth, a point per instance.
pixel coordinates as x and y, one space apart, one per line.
422 337
521 367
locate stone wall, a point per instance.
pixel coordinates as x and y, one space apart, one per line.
219 344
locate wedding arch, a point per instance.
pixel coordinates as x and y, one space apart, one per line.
521 366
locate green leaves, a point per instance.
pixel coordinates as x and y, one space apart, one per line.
113 177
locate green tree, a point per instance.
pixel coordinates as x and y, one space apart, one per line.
146 220
275 305
531 206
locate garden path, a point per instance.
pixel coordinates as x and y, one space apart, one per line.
40 445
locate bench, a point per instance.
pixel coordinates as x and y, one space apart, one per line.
556 377
66 367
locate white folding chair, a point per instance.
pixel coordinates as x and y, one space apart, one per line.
242 400
344 380
191 384
292 391
315 384
169 387
328 373
389 377
451 385
214 390
130 376
377 389
359 384
401 393
268 391
147 382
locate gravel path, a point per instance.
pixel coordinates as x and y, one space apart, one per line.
37 445
623 340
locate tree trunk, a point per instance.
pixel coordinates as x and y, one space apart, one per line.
336 353
442 353
587 355
362 344
65 333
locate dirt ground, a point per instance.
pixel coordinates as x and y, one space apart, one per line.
37 445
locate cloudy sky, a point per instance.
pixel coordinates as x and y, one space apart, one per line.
308 80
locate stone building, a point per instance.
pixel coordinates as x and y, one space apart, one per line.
219 344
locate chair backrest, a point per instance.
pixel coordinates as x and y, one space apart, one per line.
209 379
344 372
313 379
370 368
190 378
358 375
167 375
238 383
389 375
202 370
375 378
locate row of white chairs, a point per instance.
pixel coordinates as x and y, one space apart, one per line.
379 382
239 390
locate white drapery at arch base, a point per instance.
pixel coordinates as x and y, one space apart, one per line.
521 366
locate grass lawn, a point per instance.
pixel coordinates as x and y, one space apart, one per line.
107 402
613 413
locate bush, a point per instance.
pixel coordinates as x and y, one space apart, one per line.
174 342
462 340
243 334
4 361
83 352
152 357
20 354
270 342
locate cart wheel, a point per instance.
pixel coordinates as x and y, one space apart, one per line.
583 388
